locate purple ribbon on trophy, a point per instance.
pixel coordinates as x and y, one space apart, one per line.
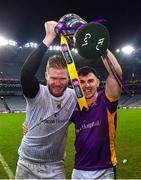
116 75
69 29
90 39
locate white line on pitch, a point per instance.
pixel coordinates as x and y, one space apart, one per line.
6 167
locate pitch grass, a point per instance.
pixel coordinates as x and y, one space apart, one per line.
128 143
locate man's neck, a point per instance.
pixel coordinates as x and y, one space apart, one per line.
92 99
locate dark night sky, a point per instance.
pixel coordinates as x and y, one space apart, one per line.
23 20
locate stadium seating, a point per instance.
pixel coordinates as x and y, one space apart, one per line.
15 104
133 101
12 59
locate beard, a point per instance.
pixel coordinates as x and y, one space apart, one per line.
57 91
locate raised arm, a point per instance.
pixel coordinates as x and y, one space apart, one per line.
112 89
29 82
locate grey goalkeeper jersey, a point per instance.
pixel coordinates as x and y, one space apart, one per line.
47 119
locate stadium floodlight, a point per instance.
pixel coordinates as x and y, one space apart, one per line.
35 45
31 45
50 48
55 48
26 45
3 41
118 50
12 43
58 48
128 49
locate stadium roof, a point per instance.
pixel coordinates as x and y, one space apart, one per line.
23 20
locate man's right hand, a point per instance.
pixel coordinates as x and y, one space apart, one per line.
50 32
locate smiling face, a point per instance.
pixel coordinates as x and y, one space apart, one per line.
89 83
56 75
57 80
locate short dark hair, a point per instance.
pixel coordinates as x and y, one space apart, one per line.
83 71
56 61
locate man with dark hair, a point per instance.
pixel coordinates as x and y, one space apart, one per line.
95 156
49 108
83 71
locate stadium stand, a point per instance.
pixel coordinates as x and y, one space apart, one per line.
130 101
2 107
12 59
10 70
12 104
16 103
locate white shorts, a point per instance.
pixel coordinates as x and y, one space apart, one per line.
31 170
101 174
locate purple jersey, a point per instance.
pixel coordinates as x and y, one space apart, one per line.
95 135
